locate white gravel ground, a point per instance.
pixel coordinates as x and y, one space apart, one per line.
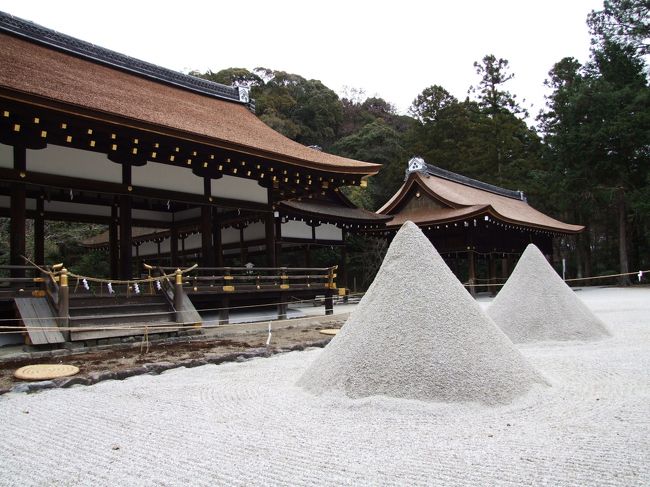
247 424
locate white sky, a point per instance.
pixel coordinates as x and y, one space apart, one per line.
390 49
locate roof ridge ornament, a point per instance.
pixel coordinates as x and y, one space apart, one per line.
416 164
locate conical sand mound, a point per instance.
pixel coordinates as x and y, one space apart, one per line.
418 334
536 305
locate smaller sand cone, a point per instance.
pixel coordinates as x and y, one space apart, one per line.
536 305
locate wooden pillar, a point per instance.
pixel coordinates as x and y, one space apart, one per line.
207 252
39 232
224 311
242 246
126 257
17 246
113 242
509 265
493 275
278 243
216 241
471 266
173 246
343 266
271 260
282 307
183 258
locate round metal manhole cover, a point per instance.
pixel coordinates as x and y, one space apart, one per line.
45 371
329 331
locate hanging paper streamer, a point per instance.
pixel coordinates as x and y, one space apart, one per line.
110 288
158 286
84 281
136 288
640 275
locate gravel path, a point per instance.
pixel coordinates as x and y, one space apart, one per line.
247 424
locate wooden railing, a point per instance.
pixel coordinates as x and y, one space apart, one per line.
235 279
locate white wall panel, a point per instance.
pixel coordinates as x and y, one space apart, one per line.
239 189
229 235
164 176
6 156
296 229
327 231
255 231
77 163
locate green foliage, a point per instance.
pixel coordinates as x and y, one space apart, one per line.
624 22
597 134
379 143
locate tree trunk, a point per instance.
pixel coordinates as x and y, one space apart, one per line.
622 238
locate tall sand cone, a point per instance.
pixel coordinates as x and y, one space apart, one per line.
535 305
418 334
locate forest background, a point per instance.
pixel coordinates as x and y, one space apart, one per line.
583 159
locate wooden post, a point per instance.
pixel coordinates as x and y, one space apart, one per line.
343 267
282 307
39 232
126 253
17 247
64 303
173 246
471 261
242 249
216 241
207 251
178 296
224 311
329 300
113 242
278 243
493 275
269 229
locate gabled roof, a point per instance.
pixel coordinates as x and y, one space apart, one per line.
461 198
47 69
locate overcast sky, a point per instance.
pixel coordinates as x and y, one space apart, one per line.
390 49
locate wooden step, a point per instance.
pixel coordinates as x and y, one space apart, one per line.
112 309
95 332
122 318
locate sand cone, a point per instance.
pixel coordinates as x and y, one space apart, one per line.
536 305
418 334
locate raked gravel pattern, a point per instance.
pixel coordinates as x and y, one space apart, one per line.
248 424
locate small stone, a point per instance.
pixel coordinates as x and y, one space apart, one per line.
115 447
